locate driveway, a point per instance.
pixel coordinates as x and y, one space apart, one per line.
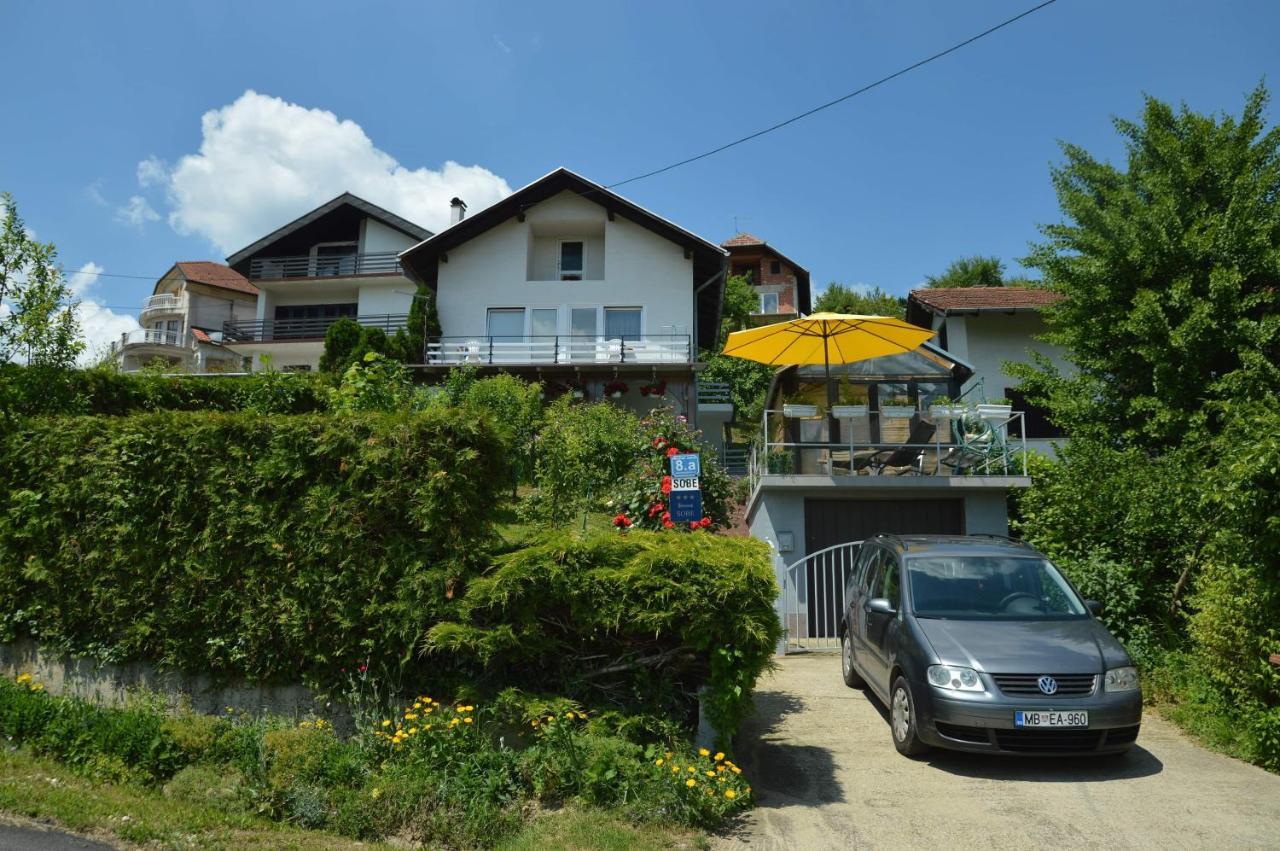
827 776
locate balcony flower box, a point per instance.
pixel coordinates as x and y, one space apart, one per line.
844 412
995 414
946 411
800 412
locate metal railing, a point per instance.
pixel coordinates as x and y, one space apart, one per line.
813 600
311 328
325 266
714 393
558 349
965 442
163 303
735 460
149 337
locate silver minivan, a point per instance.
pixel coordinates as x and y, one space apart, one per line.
980 644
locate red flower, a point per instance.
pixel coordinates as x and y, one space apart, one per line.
622 521
364 668
693 524
655 508
675 450
667 524
666 515
704 522
666 484
659 442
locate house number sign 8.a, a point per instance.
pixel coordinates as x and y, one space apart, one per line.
686 493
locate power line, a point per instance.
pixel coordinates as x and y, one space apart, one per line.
838 100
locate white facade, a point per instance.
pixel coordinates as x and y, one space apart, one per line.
514 266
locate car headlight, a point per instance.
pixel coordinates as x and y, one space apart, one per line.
956 679
1122 679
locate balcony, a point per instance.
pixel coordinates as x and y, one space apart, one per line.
163 303
325 266
568 349
894 443
149 337
304 330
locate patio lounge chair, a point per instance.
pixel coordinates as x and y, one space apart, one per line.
908 458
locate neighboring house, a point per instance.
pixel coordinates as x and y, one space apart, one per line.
573 285
782 284
988 327
337 261
182 320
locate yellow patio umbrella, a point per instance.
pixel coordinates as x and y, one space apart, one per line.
826 338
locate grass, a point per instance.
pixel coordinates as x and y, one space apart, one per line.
41 789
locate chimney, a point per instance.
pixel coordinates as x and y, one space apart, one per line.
457 210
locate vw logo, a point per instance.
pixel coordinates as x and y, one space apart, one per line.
1047 684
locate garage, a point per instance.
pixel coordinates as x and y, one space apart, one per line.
828 522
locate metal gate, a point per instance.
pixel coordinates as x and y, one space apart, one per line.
813 597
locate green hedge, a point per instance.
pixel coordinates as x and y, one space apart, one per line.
638 618
27 391
263 546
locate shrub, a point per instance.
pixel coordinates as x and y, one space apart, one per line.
242 545
581 453
340 342
647 619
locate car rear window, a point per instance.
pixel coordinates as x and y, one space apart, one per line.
1006 587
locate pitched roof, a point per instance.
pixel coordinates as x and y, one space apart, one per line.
346 198
741 239
923 303
215 275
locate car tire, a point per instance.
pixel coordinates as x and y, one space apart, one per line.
851 677
903 719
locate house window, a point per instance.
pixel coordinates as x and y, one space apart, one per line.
620 322
506 324
335 258
544 321
1036 418
583 322
768 302
572 257
775 267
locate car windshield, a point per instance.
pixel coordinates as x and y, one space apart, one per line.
1005 587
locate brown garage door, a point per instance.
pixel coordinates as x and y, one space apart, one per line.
837 521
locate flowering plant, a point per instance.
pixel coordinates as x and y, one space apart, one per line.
616 389
654 388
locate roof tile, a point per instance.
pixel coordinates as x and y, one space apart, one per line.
742 239
215 275
985 298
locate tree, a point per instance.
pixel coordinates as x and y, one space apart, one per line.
837 298
1170 277
38 323
340 342
748 382
975 271
740 301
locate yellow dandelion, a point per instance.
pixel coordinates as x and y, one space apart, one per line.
569 715
719 756
26 678
691 782
550 718
37 686
386 723
730 794
453 722
428 727
703 752
658 762
417 704
467 720
533 723
693 770
411 716
735 769
709 773
667 754
376 793
413 731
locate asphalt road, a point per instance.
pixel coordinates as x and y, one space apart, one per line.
15 837
826 775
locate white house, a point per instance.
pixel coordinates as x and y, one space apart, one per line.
566 282
988 327
182 320
337 261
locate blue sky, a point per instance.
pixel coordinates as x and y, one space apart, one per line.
884 189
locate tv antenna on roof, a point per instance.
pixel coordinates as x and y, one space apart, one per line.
737 229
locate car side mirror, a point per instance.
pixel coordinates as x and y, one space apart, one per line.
1094 607
880 606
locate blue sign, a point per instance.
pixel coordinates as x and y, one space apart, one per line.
687 466
686 506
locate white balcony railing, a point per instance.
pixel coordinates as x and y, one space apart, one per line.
149 337
325 266
558 349
163 303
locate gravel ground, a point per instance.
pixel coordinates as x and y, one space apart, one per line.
826 775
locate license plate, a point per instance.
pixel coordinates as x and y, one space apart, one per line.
1050 718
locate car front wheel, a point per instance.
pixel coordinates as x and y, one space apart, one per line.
851 677
902 720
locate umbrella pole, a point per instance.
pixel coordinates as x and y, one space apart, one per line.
833 427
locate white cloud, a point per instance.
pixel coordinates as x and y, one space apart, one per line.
152 172
94 193
99 326
137 212
502 44
264 161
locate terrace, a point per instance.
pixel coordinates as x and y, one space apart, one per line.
322 264
307 328
559 349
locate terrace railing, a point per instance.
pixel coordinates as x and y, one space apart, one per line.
325 266
965 442
149 337
301 330
163 303
558 349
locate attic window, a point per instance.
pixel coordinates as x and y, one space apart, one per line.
775 267
572 255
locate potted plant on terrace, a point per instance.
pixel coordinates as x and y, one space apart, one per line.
996 411
615 389
897 406
653 388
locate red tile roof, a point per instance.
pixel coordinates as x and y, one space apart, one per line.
201 335
985 298
740 240
215 275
